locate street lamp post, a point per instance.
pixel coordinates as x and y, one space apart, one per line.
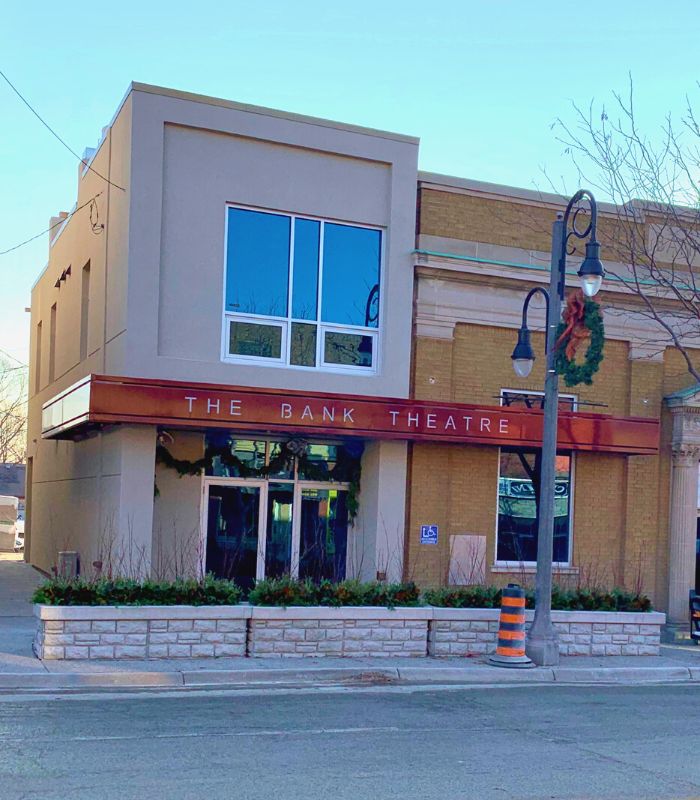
541 643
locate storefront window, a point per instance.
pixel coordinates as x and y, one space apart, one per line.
518 487
301 292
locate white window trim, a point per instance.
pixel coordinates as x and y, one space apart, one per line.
515 566
286 322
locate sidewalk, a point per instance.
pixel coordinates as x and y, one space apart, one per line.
21 671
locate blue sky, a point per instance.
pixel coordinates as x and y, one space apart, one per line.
480 82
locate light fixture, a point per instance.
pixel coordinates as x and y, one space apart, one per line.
523 354
591 272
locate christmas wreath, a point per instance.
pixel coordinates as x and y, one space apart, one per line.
582 320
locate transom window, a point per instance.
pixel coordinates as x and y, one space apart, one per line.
301 292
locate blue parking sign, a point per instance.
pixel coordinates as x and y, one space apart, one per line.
428 534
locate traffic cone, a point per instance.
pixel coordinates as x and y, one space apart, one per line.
510 651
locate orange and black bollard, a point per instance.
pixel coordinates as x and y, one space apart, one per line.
510 651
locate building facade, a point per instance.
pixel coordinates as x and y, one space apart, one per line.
264 344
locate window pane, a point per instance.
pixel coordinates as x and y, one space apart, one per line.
240 458
517 508
351 275
232 533
303 345
305 291
348 348
278 542
257 271
324 534
251 339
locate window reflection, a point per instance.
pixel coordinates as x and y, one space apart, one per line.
351 258
351 349
518 486
258 263
251 339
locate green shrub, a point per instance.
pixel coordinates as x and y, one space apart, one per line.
562 599
289 592
126 592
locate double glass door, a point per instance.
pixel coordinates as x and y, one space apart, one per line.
259 528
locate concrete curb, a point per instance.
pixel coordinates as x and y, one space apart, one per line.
314 676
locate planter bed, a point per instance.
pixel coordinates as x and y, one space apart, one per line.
472 631
151 632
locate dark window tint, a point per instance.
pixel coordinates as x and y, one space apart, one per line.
251 339
303 345
351 349
257 280
351 275
305 292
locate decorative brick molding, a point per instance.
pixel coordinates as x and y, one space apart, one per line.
144 632
85 632
462 632
348 631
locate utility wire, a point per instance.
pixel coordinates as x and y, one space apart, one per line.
53 132
50 228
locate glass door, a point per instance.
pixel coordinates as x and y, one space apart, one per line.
323 534
234 547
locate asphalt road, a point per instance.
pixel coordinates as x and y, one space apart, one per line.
525 742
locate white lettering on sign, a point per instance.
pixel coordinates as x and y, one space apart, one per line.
347 415
430 420
485 424
190 400
503 426
394 414
413 419
329 414
286 410
306 413
213 405
235 409
450 423
468 420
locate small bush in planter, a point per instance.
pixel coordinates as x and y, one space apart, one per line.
289 592
562 599
126 592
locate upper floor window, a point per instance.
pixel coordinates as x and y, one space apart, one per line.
301 292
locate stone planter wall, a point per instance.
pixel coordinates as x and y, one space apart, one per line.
142 632
77 632
349 631
461 632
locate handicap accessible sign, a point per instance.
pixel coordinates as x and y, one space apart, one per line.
428 534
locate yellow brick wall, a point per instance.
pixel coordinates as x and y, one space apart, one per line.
620 504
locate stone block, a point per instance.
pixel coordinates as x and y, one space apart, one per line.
158 651
86 638
235 638
77 626
294 635
112 638
441 649
280 647
103 626
367 623
77 652
598 627
597 649
580 627
415 647
204 625
261 648
179 651
620 638
165 637
213 638
628 628
129 651
648 650
54 639
158 625
230 625
477 625
649 629
400 634
486 637
601 638
361 633
315 634
579 649
229 650
135 638
203 650
613 650
132 626
330 623
179 625
102 651
630 650
333 647
55 626
352 645
266 634
188 637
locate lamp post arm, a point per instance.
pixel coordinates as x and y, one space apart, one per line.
526 305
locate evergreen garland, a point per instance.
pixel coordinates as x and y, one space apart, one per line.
347 468
572 372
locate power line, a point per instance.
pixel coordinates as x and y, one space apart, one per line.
22 365
51 227
53 132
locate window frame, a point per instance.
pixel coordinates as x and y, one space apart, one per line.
286 322
514 566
